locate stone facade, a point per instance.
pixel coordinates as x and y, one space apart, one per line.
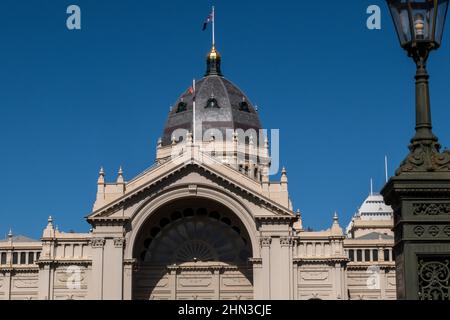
285 261
204 222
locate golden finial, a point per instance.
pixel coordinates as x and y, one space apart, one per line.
214 54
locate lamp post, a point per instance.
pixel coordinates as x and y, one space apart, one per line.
420 190
420 25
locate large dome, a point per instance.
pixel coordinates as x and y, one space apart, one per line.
219 104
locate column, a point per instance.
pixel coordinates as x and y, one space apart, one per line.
8 282
216 279
339 281
257 278
44 283
128 266
383 284
380 254
262 289
279 268
172 275
96 285
113 274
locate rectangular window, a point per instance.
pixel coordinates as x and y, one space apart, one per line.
15 259
351 255
359 255
23 258
3 260
30 257
366 255
375 255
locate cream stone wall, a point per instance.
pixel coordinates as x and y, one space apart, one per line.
287 262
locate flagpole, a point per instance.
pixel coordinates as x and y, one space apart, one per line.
213 26
386 168
193 112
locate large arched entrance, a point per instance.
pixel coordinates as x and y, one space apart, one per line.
193 249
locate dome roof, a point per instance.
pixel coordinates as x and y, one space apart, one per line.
219 105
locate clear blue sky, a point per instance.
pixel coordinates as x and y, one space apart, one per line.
71 101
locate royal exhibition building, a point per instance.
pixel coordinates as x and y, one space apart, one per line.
213 214
205 222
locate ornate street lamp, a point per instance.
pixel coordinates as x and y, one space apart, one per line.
419 193
419 25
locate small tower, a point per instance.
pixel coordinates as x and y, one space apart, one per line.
284 180
120 181
101 187
298 225
336 229
10 236
159 143
101 177
49 231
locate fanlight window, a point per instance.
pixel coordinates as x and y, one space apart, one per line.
195 236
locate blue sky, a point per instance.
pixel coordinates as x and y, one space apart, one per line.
71 101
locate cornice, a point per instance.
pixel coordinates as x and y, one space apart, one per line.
363 266
326 260
200 267
64 262
18 268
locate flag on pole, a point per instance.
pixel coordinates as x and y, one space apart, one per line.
208 20
191 91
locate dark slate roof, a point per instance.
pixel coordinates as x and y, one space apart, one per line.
375 236
234 111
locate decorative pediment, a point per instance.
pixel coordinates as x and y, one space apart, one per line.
188 170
